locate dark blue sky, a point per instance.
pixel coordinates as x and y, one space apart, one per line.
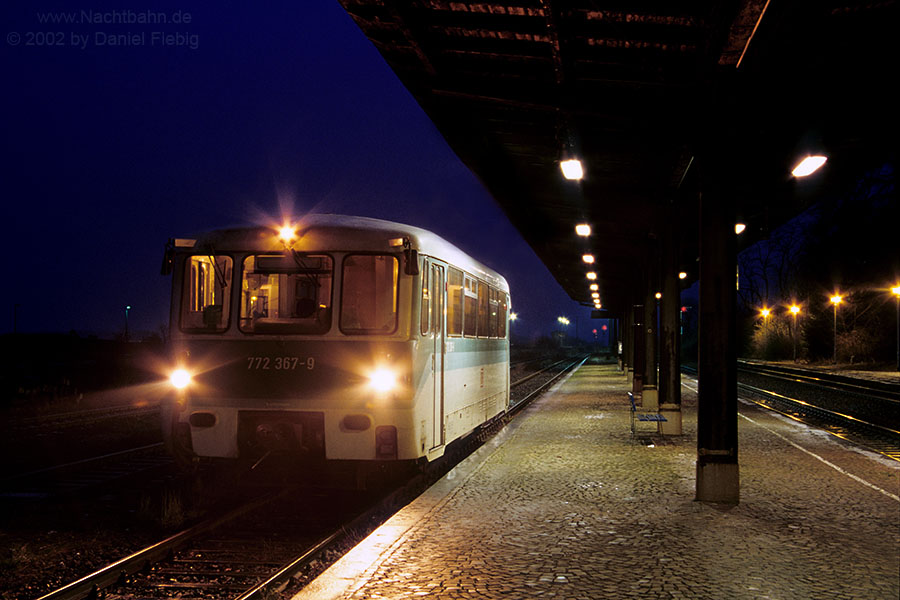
110 150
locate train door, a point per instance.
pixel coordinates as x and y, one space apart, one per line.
437 300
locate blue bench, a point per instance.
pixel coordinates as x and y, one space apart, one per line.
648 417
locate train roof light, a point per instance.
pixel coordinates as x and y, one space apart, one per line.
588 258
592 276
583 229
286 233
739 228
594 287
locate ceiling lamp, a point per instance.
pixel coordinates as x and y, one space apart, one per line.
808 166
572 169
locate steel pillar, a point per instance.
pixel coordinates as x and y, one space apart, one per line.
670 333
649 393
717 441
638 341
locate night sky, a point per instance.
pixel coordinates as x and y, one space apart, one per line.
237 117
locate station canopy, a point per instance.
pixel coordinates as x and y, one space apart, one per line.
633 90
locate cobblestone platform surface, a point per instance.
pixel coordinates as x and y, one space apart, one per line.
564 503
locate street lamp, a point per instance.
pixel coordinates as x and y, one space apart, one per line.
765 312
836 299
896 291
127 308
795 310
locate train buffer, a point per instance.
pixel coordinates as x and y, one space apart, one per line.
650 417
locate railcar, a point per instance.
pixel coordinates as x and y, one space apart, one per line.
333 339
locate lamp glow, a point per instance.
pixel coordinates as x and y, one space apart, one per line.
588 258
592 276
572 169
286 233
382 379
808 166
583 229
739 228
594 287
836 299
180 379
682 275
896 290
794 309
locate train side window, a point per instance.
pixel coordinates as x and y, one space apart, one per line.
369 294
504 314
206 299
483 302
470 325
454 301
494 313
286 294
425 308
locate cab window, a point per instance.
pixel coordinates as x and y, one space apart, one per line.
205 300
369 294
286 293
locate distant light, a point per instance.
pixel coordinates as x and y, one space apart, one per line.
563 320
571 169
592 276
795 309
604 327
286 233
513 316
595 294
682 275
594 287
808 166
588 258
836 299
739 228
765 312
658 295
684 309
583 229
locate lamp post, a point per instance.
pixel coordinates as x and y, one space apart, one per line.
836 299
795 310
562 332
896 291
765 312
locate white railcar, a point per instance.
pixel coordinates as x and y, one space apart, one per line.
336 339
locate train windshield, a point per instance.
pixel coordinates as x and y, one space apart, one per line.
369 294
205 300
286 293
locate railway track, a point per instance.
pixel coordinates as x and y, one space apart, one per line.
274 541
859 411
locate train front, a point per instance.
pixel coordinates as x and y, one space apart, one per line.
291 343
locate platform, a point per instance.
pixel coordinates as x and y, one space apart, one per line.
565 503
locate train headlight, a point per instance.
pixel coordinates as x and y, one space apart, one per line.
180 379
382 380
